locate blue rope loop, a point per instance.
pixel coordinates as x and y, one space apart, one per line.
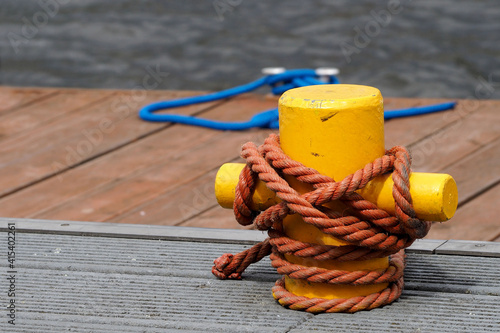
267 119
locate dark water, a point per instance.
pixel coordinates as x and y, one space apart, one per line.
405 48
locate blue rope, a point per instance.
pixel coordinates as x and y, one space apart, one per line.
419 110
267 119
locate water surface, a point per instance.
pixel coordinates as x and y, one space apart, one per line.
405 48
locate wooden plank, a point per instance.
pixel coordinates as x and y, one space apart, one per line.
392 103
113 199
48 109
407 131
477 172
166 150
215 217
192 204
81 136
478 179
477 220
457 140
180 204
14 97
137 156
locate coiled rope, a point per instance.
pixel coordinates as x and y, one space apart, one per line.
279 83
372 232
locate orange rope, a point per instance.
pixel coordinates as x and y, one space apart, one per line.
373 232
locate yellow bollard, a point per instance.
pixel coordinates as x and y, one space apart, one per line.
338 129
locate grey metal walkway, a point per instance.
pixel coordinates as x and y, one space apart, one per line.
102 277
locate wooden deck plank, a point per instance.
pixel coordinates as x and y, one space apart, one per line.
214 217
477 172
161 177
473 221
104 170
116 109
478 179
191 199
13 97
408 130
72 140
48 109
159 151
457 140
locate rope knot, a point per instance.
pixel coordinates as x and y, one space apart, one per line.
219 268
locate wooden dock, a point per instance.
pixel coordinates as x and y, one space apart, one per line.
83 155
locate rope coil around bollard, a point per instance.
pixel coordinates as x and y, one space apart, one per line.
372 232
